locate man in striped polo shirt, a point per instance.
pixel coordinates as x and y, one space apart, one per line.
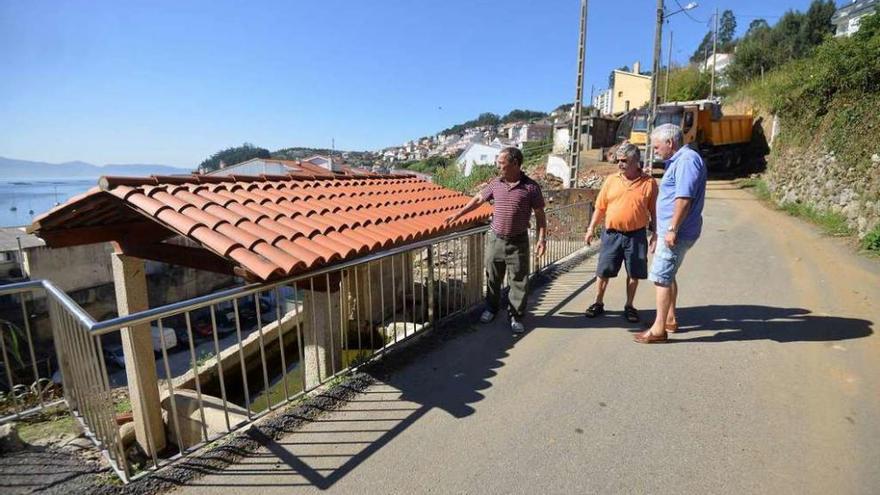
514 196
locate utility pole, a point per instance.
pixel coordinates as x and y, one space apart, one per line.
668 68
714 55
658 36
574 159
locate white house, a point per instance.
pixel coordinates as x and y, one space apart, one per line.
534 131
477 154
258 166
848 18
723 60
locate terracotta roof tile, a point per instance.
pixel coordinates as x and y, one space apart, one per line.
274 226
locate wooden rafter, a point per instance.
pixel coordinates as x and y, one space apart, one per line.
174 254
134 232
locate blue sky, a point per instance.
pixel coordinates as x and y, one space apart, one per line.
173 81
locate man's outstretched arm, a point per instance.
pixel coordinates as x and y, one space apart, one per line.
476 201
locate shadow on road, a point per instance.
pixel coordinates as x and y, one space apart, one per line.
740 322
447 369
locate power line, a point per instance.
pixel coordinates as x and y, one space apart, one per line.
687 13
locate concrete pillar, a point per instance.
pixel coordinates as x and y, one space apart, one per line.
140 366
321 333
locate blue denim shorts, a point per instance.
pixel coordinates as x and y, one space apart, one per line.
667 261
629 248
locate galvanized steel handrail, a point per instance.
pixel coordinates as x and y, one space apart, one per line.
107 326
450 280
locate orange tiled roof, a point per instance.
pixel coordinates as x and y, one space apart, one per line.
272 226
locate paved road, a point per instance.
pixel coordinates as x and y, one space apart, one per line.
773 388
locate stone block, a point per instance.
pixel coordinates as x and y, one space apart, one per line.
189 417
9 439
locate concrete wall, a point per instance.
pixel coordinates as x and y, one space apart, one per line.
71 268
634 88
558 166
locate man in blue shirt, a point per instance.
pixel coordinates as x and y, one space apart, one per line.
679 223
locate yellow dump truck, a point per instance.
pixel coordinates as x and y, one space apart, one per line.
722 140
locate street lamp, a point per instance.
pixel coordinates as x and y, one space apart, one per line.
689 6
658 37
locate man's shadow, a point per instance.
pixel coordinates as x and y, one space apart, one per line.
743 322
447 369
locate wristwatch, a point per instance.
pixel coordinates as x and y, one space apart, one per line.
671 229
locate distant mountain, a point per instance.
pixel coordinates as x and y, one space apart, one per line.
24 169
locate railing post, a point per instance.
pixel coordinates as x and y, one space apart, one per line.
130 279
474 269
430 262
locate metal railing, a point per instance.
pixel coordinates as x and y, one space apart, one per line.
225 359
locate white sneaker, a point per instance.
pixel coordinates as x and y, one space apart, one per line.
487 316
516 326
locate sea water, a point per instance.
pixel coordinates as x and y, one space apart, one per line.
23 199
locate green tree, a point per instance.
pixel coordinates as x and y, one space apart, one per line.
231 156
817 23
756 26
726 31
795 36
687 83
517 114
703 49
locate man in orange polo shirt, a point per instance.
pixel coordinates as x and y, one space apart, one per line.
627 204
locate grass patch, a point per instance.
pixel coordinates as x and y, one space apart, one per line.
871 241
52 424
275 395
830 222
758 187
123 405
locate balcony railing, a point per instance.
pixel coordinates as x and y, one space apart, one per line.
223 360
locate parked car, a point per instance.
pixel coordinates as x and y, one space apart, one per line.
247 313
203 326
170 338
113 355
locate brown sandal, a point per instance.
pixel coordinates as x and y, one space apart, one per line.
647 337
672 328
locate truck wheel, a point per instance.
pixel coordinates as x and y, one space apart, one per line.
726 161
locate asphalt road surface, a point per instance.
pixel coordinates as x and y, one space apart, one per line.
773 387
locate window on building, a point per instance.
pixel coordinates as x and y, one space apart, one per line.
620 94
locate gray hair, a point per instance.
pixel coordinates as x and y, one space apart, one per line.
627 150
668 132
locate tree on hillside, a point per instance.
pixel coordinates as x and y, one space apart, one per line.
565 107
486 118
795 36
231 156
817 23
687 83
756 26
726 31
516 115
